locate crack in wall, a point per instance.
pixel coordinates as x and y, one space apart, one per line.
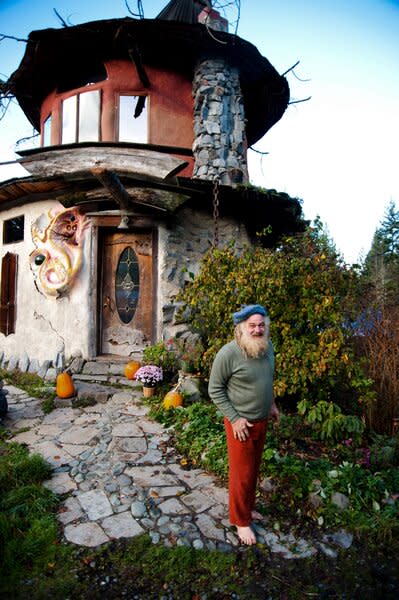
38 316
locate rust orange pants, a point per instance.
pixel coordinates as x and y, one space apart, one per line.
244 463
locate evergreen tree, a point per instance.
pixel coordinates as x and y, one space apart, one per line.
381 268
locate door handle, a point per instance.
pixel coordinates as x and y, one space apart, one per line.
107 303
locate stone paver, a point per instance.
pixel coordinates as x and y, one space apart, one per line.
86 534
78 435
197 501
173 506
122 525
53 453
61 483
121 478
71 511
96 504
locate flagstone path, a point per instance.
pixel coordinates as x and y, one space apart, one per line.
119 477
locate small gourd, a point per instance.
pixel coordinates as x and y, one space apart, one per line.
64 386
130 369
172 399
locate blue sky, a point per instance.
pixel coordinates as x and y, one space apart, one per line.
338 152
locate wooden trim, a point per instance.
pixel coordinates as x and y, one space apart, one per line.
155 249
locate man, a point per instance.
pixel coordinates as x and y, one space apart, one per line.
241 386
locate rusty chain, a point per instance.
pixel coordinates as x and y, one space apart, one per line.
215 213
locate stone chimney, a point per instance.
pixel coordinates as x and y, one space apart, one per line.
220 145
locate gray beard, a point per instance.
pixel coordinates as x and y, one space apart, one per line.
252 347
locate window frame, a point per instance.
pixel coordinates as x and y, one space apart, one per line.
77 118
120 95
5 237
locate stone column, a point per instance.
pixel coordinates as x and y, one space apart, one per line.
220 145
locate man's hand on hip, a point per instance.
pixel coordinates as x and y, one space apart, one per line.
241 429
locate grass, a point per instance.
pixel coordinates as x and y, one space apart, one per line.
137 569
28 527
33 385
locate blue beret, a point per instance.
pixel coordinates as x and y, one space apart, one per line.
246 311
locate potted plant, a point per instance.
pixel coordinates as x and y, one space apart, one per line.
149 376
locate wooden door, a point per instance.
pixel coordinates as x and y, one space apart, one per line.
126 293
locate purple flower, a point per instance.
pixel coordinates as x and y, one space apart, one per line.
149 375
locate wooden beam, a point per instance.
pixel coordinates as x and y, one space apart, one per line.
112 183
64 161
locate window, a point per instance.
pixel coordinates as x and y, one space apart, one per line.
132 122
47 132
127 284
8 293
81 118
13 230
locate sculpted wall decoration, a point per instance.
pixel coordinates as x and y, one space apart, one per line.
58 255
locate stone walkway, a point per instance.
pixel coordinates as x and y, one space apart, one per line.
119 477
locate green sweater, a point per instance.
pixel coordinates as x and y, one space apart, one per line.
242 387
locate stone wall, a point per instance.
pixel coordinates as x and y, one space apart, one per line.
181 248
220 145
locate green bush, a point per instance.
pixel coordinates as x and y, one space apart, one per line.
329 423
161 355
310 297
198 432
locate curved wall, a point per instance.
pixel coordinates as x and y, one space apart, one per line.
170 106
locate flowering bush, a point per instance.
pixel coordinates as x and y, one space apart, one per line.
149 375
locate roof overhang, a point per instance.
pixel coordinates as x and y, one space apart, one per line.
118 186
52 53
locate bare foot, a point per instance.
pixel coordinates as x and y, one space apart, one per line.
246 535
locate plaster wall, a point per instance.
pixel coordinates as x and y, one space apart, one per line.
52 331
46 328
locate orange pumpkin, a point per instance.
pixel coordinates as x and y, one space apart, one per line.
130 369
64 385
172 399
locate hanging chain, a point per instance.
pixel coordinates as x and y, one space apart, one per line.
215 213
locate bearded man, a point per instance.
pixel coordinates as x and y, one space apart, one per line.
241 386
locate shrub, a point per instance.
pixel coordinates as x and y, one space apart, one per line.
309 295
160 355
329 423
189 351
379 344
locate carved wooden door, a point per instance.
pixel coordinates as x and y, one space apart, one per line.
126 293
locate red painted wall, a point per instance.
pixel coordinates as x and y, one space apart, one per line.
170 105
